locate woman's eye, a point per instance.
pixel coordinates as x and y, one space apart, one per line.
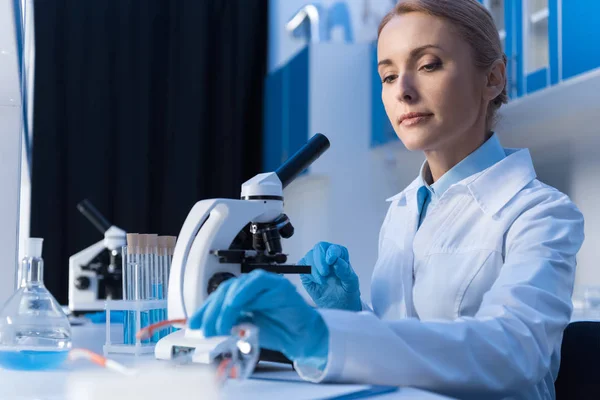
431 67
389 79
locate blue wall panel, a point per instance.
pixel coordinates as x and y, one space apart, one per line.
296 94
580 36
273 121
537 80
381 128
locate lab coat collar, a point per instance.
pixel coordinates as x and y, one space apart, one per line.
494 187
416 184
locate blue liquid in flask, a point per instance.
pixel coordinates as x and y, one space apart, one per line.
32 360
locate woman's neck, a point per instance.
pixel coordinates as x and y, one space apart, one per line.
444 159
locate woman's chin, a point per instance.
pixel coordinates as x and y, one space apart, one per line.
416 141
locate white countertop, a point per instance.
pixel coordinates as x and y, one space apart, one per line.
269 381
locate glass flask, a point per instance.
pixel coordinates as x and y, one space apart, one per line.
35 333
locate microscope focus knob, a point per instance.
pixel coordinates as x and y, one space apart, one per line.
217 279
287 231
82 283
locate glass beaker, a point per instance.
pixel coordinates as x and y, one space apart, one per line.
35 333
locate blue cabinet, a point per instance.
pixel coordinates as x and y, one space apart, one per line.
580 36
286 111
382 130
548 41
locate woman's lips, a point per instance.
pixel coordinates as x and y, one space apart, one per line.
413 119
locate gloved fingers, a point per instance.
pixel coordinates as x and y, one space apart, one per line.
269 302
239 303
319 269
195 321
311 287
213 309
307 279
348 277
336 251
229 317
275 299
266 292
333 253
229 314
345 255
256 282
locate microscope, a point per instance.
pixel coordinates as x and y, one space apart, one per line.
95 273
223 238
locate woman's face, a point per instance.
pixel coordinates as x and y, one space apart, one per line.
432 92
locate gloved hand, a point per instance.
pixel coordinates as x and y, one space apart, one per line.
285 321
332 283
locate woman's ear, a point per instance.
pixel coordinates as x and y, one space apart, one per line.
496 80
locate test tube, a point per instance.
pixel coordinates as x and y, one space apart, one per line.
125 276
162 278
150 267
138 290
171 240
135 262
151 271
124 270
130 255
143 280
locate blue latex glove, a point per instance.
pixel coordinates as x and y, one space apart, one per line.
332 283
285 321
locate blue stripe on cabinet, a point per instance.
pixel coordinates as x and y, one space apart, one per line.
553 40
513 21
510 49
518 30
580 36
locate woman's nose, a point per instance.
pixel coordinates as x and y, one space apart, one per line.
406 90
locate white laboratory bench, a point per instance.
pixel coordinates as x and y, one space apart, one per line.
269 381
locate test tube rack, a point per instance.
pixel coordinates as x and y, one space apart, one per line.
139 310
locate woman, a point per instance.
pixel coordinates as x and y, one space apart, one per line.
472 287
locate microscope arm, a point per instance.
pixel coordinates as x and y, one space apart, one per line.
213 246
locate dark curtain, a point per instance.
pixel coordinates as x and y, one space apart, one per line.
144 107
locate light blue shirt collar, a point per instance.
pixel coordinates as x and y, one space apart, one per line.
488 154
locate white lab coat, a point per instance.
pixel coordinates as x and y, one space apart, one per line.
474 302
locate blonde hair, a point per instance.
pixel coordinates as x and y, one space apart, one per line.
474 24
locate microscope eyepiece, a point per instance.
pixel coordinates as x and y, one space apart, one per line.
302 159
94 216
